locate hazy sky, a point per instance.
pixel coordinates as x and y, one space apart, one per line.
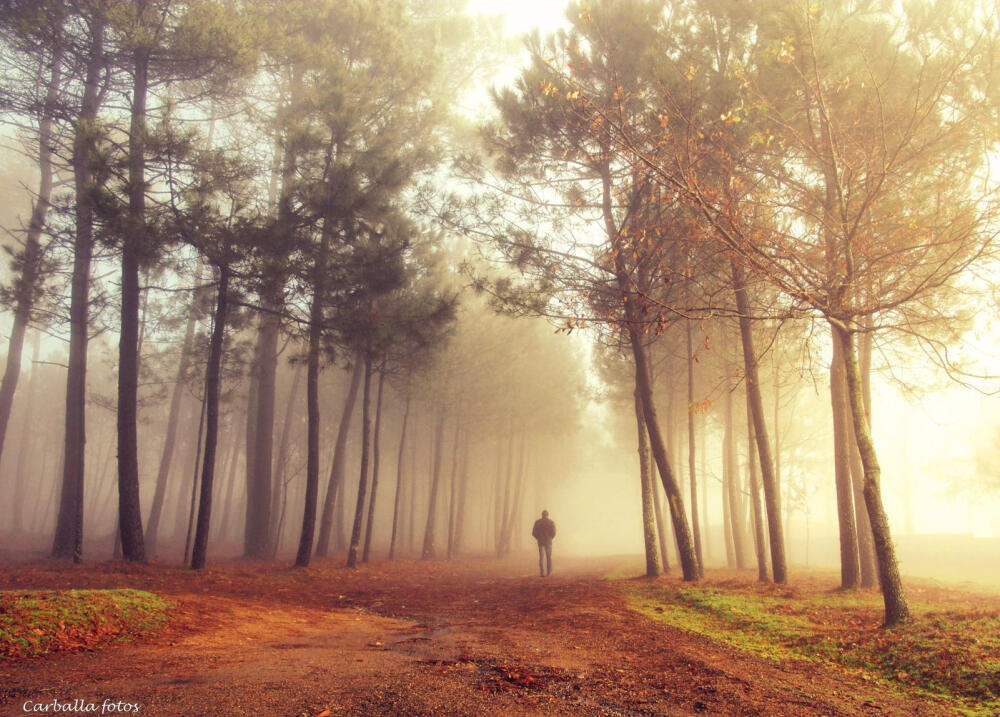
523 15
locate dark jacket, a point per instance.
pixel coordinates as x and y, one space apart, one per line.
544 531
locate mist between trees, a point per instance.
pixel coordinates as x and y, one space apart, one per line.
285 298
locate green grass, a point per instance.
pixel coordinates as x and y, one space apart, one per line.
39 622
951 653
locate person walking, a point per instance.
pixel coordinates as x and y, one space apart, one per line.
544 531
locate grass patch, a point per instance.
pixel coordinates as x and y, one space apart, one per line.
39 622
951 653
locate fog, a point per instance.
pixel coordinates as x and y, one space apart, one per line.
461 266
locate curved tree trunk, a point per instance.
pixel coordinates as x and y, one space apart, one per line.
685 546
896 609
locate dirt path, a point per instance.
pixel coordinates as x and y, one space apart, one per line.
417 638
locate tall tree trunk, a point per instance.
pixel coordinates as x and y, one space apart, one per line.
26 284
280 464
399 478
339 527
187 449
648 488
259 488
896 609
194 476
463 485
429 550
727 526
695 527
68 539
661 537
366 429
866 546
704 490
772 499
250 436
732 490
643 382
453 487
176 396
499 510
760 545
27 434
849 568
40 509
375 466
850 560
212 373
226 483
514 520
502 545
133 241
304 554
228 508
685 547
336 481
101 478
777 424
411 518
276 541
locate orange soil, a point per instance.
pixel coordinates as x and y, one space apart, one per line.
408 637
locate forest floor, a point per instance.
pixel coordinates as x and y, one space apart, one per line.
461 637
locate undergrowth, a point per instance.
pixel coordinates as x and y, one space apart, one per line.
39 622
950 653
